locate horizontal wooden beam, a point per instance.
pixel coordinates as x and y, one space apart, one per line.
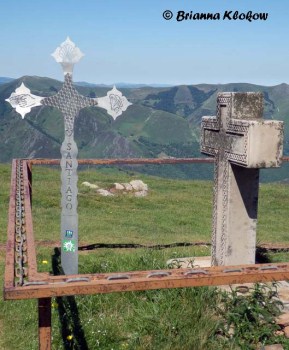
129 161
146 280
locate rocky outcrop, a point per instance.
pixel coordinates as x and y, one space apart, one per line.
136 187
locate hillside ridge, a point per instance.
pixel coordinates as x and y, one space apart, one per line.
163 121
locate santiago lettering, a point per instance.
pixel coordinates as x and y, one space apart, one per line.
227 15
68 170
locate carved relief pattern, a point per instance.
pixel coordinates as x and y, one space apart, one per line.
209 123
213 123
224 98
215 210
227 100
239 123
209 150
237 158
216 249
279 151
224 212
241 128
202 140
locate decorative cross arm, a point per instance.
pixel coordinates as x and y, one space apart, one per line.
113 102
22 100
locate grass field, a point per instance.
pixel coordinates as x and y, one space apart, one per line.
174 211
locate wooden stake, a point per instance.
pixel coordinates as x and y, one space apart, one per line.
44 317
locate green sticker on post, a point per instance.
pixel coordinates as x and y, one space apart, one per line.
69 245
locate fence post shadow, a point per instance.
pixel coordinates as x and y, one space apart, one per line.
71 329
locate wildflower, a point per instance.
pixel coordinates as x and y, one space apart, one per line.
54 305
45 262
69 337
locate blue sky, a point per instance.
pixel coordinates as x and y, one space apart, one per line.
129 41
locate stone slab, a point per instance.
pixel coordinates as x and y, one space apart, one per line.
286 332
242 143
273 347
283 320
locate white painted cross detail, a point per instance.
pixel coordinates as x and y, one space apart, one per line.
69 102
242 143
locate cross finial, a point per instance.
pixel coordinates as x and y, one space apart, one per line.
67 54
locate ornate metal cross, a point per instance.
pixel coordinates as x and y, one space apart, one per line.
69 102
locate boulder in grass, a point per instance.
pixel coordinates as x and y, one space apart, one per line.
93 186
139 185
88 184
141 194
104 193
273 347
118 187
127 187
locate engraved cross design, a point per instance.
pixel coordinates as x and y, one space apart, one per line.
69 102
242 143
224 138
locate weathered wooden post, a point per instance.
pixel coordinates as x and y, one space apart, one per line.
69 102
44 323
242 143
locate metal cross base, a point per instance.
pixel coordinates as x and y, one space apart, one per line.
23 281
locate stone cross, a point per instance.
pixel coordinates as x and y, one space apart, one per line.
69 102
242 143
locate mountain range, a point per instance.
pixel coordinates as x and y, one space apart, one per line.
164 121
